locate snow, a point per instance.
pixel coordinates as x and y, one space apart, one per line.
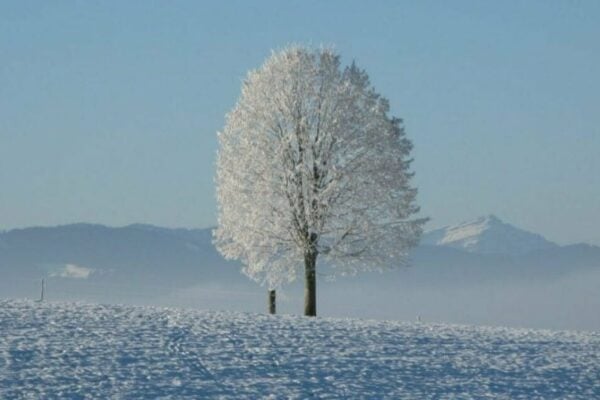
487 235
69 350
72 271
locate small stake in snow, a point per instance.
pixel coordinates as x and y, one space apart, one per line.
272 301
42 295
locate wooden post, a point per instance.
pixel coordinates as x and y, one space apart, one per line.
272 304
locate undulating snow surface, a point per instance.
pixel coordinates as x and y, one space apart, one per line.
66 350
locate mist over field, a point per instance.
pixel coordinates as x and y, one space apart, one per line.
550 287
567 301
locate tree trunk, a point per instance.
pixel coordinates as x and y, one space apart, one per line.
272 304
310 284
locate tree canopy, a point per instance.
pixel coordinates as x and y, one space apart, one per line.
311 164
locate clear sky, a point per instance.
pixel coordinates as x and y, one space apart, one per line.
109 110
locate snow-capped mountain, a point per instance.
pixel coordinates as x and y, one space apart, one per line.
487 235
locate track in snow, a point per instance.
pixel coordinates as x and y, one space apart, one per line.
61 350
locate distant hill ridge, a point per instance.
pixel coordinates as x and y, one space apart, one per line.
486 235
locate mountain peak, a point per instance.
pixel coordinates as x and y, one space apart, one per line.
487 235
491 218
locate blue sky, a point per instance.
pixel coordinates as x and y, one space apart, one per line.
109 110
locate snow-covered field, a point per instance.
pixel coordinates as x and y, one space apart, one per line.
61 350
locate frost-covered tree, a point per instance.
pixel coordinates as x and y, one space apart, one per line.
311 165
